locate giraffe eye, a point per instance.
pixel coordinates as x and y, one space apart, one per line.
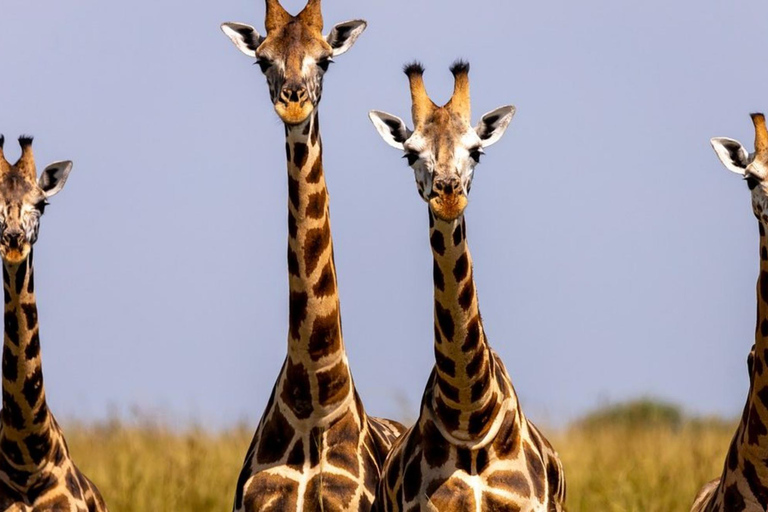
752 180
476 153
324 63
412 157
40 206
264 64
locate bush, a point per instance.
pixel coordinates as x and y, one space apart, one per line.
641 413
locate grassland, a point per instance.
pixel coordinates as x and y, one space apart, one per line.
643 457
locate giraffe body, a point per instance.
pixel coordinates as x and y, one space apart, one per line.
743 484
472 448
36 471
315 447
513 468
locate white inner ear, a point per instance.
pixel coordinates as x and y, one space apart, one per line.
391 128
244 36
54 177
731 153
344 35
493 124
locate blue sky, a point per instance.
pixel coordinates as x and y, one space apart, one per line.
614 256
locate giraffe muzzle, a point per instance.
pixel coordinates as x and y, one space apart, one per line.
448 200
14 247
294 107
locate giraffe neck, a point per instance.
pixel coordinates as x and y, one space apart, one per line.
757 426
317 380
27 424
467 396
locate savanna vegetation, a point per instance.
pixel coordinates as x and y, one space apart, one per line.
643 456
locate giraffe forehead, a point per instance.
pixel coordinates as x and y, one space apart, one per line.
16 187
446 140
446 128
292 44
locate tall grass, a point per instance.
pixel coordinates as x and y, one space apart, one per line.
654 461
151 468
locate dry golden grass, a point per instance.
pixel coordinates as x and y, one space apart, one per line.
656 467
150 468
644 469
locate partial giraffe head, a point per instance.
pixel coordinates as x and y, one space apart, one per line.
752 166
443 148
294 55
23 198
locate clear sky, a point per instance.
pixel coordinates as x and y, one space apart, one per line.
614 256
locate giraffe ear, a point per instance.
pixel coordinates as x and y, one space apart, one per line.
244 36
731 153
53 177
391 128
493 124
344 35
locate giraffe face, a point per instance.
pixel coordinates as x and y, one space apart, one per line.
443 153
753 167
23 198
294 56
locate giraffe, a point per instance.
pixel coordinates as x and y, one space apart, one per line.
743 484
472 447
36 471
315 447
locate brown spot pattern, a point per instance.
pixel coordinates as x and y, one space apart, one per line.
535 470
342 438
444 320
325 337
293 191
453 495
317 240
276 436
326 284
438 242
466 295
316 205
297 312
316 173
462 268
333 385
296 392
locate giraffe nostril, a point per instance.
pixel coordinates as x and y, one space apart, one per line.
447 186
293 94
13 239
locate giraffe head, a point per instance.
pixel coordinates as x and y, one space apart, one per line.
23 198
752 166
443 148
294 55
